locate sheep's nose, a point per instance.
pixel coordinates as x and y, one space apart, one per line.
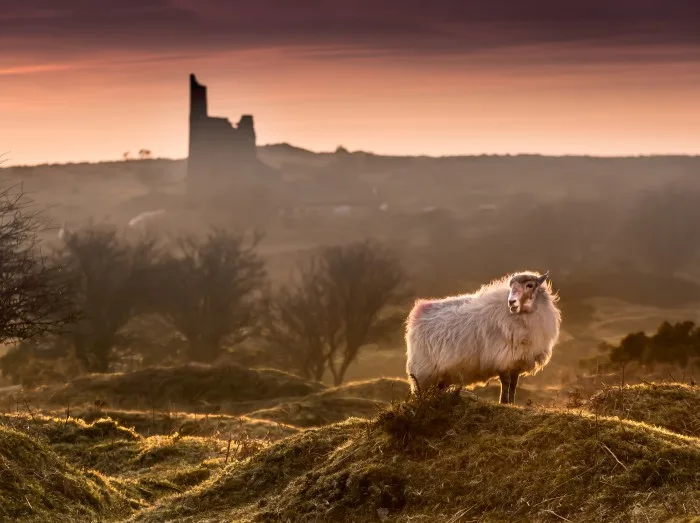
512 302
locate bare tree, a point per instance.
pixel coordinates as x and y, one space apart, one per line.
362 280
112 280
300 325
211 291
33 300
340 303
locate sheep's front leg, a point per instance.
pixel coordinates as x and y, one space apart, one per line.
505 386
514 375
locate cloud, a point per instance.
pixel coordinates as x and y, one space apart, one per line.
408 28
36 68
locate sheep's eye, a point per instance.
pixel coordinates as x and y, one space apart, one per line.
530 285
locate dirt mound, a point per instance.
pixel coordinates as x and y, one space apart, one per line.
445 458
36 484
673 406
193 387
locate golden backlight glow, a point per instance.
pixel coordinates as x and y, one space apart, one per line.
527 100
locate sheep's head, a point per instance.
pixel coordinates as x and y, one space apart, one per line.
524 288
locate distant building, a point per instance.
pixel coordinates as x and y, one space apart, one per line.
220 154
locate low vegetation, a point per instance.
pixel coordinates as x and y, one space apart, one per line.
628 454
675 407
444 457
193 388
187 423
37 484
675 344
195 442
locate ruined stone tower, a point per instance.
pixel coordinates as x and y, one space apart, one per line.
219 153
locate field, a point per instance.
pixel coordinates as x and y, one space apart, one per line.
238 440
287 450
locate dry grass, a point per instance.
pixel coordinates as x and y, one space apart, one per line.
268 417
37 484
673 406
136 471
193 388
441 456
187 423
315 411
446 458
363 399
380 389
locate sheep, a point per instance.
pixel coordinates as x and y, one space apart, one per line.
506 329
139 219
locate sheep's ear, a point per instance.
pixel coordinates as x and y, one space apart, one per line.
543 278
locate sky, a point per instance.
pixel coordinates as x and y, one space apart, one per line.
82 80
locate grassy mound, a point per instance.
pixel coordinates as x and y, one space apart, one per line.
673 406
317 411
189 424
193 387
73 431
250 482
140 469
38 485
444 458
361 399
380 389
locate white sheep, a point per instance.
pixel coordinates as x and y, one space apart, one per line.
506 328
139 219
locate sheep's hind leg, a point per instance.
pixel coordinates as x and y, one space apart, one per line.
505 386
514 375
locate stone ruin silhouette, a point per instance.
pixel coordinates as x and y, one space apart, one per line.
221 155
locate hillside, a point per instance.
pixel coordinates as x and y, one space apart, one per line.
675 407
36 484
209 401
441 457
446 458
192 388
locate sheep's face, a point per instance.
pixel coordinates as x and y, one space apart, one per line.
523 291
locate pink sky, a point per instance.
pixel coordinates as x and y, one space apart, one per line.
64 102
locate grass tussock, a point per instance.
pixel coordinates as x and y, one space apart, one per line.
193 387
256 479
68 430
36 484
444 457
136 469
673 406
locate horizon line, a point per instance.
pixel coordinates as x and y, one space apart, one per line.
5 158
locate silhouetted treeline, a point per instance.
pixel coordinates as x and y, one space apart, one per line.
675 344
213 294
117 297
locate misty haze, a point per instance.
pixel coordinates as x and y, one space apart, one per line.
390 262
